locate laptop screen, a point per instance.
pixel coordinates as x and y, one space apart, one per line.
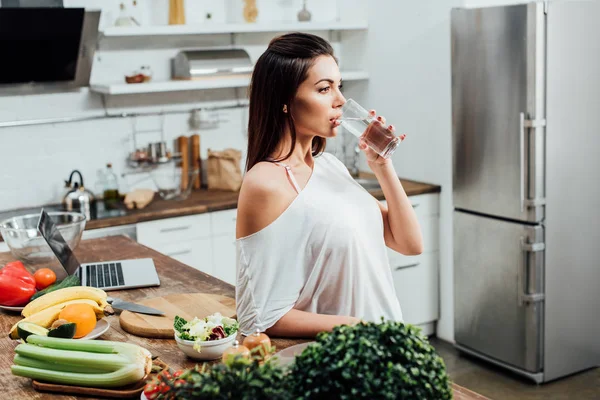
57 243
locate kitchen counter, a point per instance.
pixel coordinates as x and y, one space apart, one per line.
175 277
203 200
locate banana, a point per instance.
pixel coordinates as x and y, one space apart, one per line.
46 318
62 295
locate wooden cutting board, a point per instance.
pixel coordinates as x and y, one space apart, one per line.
186 306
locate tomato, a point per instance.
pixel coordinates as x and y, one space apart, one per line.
163 387
177 374
44 277
151 391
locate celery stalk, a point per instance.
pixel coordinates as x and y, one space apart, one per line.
50 365
108 362
92 346
91 363
121 377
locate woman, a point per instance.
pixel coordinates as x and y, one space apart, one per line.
310 240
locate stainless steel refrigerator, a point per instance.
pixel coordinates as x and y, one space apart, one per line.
526 178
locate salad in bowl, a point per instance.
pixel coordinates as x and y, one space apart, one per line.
205 338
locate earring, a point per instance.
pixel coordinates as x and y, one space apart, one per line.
285 108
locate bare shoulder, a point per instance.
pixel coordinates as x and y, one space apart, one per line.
264 195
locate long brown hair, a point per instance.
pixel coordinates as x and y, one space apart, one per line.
278 73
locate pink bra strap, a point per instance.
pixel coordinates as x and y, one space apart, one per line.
288 169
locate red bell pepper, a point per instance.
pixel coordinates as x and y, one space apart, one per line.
17 285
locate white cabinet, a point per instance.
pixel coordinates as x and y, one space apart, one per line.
195 253
204 241
416 278
223 244
172 230
224 258
186 239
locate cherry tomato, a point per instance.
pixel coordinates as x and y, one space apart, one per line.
44 277
163 387
151 391
177 374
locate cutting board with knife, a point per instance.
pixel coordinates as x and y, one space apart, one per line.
187 306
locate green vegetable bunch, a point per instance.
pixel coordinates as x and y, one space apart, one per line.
244 380
389 360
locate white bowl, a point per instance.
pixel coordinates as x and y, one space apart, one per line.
209 350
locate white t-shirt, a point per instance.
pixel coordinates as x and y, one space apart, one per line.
324 254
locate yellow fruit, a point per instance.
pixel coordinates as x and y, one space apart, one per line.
82 315
62 295
44 318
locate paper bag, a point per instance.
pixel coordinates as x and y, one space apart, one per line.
223 170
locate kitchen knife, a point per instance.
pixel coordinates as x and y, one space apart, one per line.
137 308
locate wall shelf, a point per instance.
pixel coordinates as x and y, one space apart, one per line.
208 83
208 29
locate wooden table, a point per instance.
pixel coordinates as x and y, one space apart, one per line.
175 277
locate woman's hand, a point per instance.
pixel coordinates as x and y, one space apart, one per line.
373 158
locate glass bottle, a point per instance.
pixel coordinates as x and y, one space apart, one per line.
111 188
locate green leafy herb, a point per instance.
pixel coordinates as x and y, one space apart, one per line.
389 360
231 328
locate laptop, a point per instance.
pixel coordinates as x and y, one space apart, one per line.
106 275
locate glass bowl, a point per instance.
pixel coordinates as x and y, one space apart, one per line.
27 244
167 178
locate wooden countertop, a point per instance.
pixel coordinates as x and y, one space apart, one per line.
203 200
175 277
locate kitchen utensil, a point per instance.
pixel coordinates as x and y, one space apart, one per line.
176 12
133 307
126 392
196 161
152 152
167 178
27 244
182 142
161 151
78 198
186 306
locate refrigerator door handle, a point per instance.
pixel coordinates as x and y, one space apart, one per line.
527 298
523 124
522 162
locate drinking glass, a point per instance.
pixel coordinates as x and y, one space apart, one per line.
356 120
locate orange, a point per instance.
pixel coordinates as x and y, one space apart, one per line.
82 315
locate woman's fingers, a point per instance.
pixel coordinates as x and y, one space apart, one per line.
362 144
381 119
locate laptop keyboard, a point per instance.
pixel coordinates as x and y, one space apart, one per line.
104 275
